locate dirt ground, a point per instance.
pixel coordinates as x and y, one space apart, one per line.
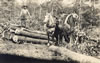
41 51
27 53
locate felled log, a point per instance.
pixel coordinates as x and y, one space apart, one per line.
14 26
73 55
17 38
35 31
28 34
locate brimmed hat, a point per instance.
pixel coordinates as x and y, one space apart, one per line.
24 6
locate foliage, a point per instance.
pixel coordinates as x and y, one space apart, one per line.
10 12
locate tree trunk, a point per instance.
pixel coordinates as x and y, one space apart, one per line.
32 35
17 38
73 55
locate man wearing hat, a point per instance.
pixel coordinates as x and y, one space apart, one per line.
24 16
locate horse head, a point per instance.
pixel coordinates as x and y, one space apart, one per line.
71 20
49 20
75 16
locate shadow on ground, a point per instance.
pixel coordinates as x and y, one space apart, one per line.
6 58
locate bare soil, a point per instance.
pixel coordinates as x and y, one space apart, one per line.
40 51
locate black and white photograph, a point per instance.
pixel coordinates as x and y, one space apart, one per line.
49 31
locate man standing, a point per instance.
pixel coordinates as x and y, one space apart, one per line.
24 17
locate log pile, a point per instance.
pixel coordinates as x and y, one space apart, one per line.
40 38
25 35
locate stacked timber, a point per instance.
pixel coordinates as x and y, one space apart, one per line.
24 35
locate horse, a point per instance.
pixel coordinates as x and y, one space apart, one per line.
49 26
60 29
67 28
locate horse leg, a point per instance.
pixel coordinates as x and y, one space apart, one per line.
71 40
53 39
81 39
67 38
76 40
48 39
60 39
57 39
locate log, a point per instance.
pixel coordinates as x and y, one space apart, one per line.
73 55
17 38
12 31
32 35
14 26
35 31
9 35
31 31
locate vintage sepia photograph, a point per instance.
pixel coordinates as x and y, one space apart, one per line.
49 31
